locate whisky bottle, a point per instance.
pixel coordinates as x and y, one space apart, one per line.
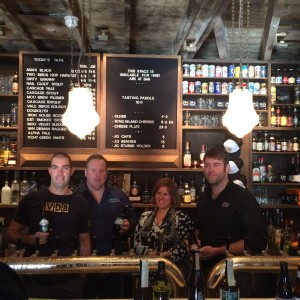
187 156
193 189
187 198
142 291
201 155
284 288
146 194
229 290
161 287
135 192
15 84
196 282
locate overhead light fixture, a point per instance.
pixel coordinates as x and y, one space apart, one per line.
102 33
80 116
241 117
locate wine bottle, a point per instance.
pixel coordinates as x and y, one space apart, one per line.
161 287
196 282
187 156
142 291
229 288
284 288
296 292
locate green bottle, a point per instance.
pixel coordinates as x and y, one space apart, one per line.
161 287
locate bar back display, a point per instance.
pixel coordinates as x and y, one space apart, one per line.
141 103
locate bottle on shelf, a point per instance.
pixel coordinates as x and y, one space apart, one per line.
296 147
146 194
229 290
278 230
290 119
193 189
296 170
161 286
277 116
272 143
135 192
273 117
33 183
284 288
202 154
15 84
187 156
12 158
260 142
283 118
254 142
6 154
15 188
270 176
295 118
180 187
24 186
296 291
255 172
187 198
266 141
196 282
6 193
142 290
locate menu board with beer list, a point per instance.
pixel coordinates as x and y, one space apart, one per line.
46 83
141 102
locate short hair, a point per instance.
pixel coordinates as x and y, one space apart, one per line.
95 156
61 155
218 152
172 189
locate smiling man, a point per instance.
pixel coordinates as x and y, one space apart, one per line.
55 218
226 214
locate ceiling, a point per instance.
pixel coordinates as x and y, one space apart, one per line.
191 28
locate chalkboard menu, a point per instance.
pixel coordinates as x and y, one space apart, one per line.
46 83
141 102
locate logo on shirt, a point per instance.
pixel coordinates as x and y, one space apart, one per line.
57 207
114 200
225 204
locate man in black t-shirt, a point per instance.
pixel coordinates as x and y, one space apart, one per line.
68 217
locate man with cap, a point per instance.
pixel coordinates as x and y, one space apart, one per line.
228 217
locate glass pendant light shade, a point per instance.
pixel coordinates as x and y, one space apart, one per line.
80 117
240 117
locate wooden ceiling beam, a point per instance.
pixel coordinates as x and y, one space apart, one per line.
12 11
221 40
272 21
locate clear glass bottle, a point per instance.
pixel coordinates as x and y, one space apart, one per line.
24 186
6 193
187 156
15 189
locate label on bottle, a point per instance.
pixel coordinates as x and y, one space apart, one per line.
144 274
225 295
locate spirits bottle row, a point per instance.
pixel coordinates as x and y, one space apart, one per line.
279 142
9 84
285 75
10 119
188 161
284 117
8 152
283 95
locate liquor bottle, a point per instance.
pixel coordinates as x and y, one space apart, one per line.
290 119
187 198
272 143
6 154
262 169
292 169
284 288
180 188
135 192
270 176
33 183
273 117
193 189
296 171
196 282
161 286
260 143
283 118
296 118
296 291
254 142
187 156
284 144
6 193
277 116
296 147
15 84
15 189
24 186
143 291
201 155
12 158
229 290
266 142
146 195
255 172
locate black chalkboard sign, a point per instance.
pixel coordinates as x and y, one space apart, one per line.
46 83
141 102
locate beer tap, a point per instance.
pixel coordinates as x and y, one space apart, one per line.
94 245
36 244
281 247
246 250
113 248
18 246
130 247
265 252
56 243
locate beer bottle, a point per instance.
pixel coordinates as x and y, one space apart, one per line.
296 292
161 287
142 291
284 288
229 288
196 282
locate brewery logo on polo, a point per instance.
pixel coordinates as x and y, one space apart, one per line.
225 204
57 207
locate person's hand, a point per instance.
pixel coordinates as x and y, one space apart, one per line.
125 226
42 236
207 252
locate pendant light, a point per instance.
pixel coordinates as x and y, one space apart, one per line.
240 117
80 116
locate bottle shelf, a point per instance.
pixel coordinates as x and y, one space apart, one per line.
276 183
203 127
289 206
8 128
276 153
268 128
